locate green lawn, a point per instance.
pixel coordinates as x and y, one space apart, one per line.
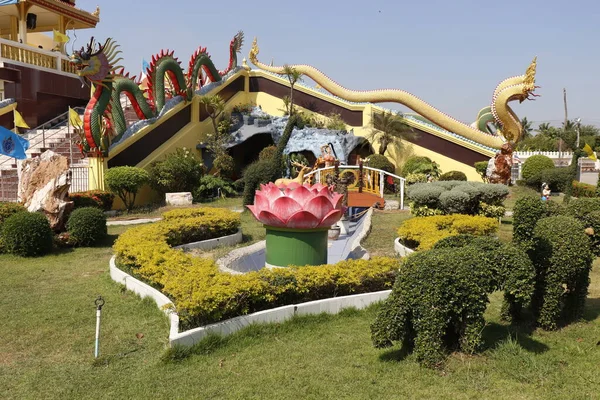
47 343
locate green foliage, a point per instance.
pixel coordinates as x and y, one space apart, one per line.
27 234
381 162
93 198
453 176
587 211
335 122
533 168
557 178
125 182
491 211
563 260
267 153
439 297
244 108
177 172
411 179
420 165
577 154
210 185
481 168
390 129
87 226
580 189
455 202
269 170
8 209
225 165
425 195
527 212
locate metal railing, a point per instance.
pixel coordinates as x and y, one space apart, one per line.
373 179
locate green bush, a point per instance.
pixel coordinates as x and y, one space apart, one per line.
125 182
556 178
27 234
412 179
267 153
587 211
416 164
426 195
381 162
455 202
178 172
526 214
563 260
210 186
93 198
533 168
87 226
8 209
481 168
453 176
581 189
225 165
439 297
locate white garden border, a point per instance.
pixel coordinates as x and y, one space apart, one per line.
402 250
209 244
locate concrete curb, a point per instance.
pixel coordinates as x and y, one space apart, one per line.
133 221
402 250
209 244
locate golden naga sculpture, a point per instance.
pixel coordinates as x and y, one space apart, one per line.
516 88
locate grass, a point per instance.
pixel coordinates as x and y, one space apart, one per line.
384 227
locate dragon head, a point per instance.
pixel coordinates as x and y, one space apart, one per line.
529 82
96 61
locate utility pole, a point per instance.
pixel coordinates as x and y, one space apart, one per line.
564 126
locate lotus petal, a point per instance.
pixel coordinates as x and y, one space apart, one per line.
261 202
273 193
301 195
302 220
293 185
319 206
254 210
268 218
336 200
318 186
284 207
331 218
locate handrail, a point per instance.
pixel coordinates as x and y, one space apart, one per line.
30 55
356 167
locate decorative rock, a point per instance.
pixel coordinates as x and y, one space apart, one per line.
500 166
391 205
44 183
179 199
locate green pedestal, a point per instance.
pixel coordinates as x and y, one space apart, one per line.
296 246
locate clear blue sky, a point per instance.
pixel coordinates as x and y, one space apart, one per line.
451 54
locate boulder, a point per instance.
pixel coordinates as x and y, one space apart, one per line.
391 205
179 199
44 183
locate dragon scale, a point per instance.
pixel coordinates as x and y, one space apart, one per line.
515 88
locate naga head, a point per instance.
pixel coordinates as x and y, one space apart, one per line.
252 56
95 62
529 82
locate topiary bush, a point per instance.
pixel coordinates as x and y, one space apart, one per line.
563 259
481 168
225 165
93 198
439 297
210 186
177 172
27 234
381 162
87 226
425 195
453 176
580 189
527 212
455 202
125 182
267 153
533 168
8 209
417 164
556 178
412 179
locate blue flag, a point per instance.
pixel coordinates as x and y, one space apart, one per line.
12 145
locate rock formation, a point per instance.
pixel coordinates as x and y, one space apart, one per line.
44 183
500 166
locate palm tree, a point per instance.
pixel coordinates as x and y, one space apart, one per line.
390 128
543 127
293 76
527 128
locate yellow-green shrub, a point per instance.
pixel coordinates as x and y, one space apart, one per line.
202 294
421 233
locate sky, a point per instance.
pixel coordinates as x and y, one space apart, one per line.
451 54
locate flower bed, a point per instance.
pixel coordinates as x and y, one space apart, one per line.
202 294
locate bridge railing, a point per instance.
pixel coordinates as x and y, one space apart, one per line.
367 179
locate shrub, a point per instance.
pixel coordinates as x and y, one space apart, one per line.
427 195
415 178
563 260
8 209
421 233
424 211
267 153
581 189
587 211
202 294
27 234
532 170
178 172
453 176
556 178
439 298
416 164
381 162
209 187
225 165
491 211
526 214
125 182
93 198
455 202
493 194
481 168
87 226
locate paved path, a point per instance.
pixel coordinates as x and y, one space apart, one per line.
132 221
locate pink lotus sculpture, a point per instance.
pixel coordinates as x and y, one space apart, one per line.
297 206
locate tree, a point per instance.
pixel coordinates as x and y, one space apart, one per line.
390 128
544 127
214 106
293 76
527 128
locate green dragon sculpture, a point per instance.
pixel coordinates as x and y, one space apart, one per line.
104 120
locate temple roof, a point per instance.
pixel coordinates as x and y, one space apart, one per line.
47 12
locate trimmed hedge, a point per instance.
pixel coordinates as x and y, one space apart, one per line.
87 226
556 178
533 168
563 260
439 298
381 162
526 214
580 189
93 198
453 176
27 234
8 209
125 182
421 233
202 294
